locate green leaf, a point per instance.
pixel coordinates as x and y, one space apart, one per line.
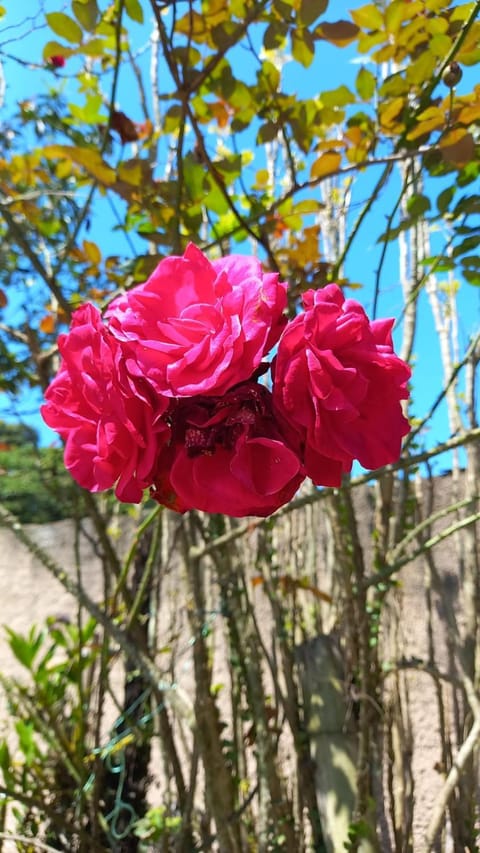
95 47
417 205
396 13
54 48
25 732
275 36
467 245
365 84
440 45
171 119
421 70
339 97
393 86
310 10
25 648
194 176
444 199
268 132
303 47
87 13
64 26
5 761
269 76
134 10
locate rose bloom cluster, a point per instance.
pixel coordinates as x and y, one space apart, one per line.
169 390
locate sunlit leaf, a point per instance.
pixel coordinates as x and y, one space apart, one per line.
47 324
92 252
25 648
368 17
393 86
461 12
422 68
440 45
54 48
262 178
430 119
390 112
87 13
134 10
396 13
64 26
89 158
444 199
303 47
417 205
94 47
365 84
326 164
339 97
269 76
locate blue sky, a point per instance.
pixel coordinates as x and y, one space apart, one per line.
332 68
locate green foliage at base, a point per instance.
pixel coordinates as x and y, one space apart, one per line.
34 485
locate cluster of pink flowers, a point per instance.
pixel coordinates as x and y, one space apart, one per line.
169 391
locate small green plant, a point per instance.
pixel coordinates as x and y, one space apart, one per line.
157 825
43 780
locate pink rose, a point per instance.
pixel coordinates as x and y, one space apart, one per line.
111 424
227 456
197 327
339 384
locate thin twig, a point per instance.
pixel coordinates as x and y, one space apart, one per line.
463 755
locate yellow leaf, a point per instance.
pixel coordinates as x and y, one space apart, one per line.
422 69
92 252
368 17
397 12
425 127
431 113
326 164
63 169
440 45
467 115
391 111
461 12
47 324
330 144
131 171
384 54
262 177
54 48
89 158
436 25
